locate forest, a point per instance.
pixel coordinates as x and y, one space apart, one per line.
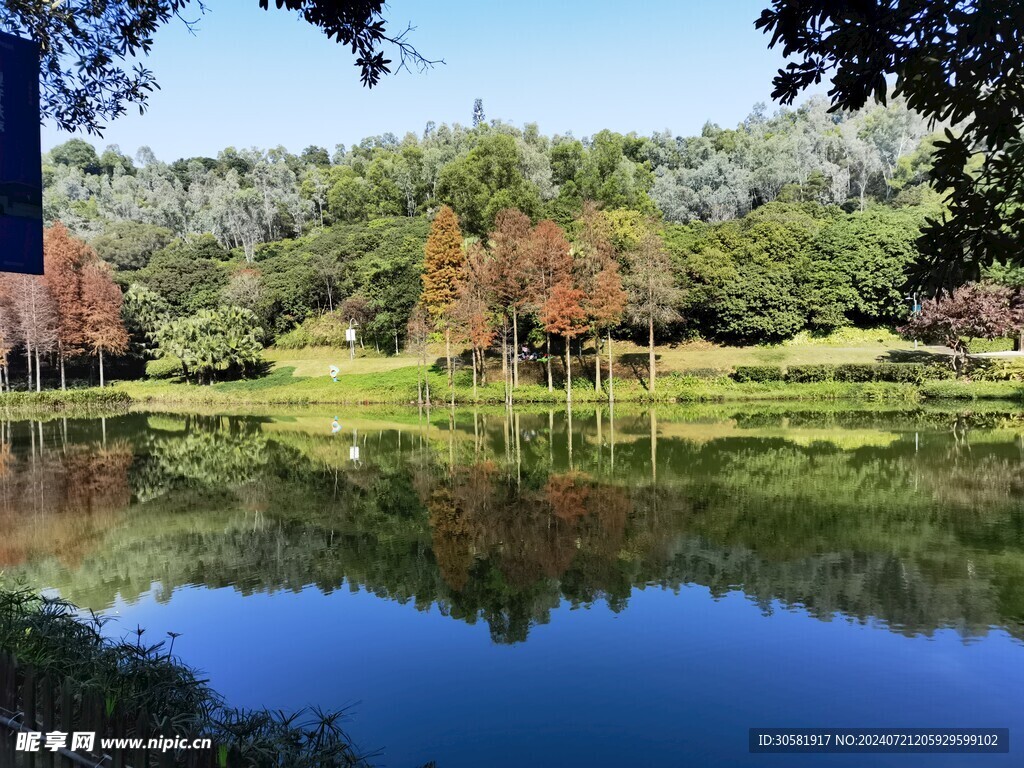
801 220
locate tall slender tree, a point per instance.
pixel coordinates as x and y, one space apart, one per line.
605 306
101 310
475 310
551 263
510 265
593 254
564 315
64 258
653 296
36 315
443 266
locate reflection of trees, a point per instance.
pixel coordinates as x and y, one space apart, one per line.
57 496
205 458
915 533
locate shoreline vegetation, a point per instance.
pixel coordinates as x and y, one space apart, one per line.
400 386
125 687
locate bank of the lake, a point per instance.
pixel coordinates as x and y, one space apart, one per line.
399 387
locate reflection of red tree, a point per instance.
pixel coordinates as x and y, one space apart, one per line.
62 504
567 496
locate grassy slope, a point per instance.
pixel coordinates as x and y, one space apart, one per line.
300 377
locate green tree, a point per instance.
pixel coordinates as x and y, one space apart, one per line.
485 181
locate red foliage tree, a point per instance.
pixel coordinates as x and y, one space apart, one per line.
563 314
104 329
510 276
972 311
64 258
551 263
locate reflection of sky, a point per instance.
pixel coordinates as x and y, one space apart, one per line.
675 679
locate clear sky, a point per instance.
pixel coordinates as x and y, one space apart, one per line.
264 78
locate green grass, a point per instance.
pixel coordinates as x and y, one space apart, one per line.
72 401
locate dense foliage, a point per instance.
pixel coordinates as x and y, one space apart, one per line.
956 61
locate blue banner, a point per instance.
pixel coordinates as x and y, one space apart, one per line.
21 176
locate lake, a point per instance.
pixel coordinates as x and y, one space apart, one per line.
546 588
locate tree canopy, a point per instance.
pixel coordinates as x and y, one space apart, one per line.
954 61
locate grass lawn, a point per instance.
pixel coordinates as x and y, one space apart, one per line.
695 372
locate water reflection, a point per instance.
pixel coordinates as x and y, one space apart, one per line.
910 520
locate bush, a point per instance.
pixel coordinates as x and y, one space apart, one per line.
901 373
758 373
166 367
856 372
989 345
809 374
996 369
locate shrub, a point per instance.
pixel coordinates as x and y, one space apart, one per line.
996 369
165 367
758 373
856 372
901 373
1002 344
808 374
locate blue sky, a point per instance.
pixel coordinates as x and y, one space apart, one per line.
255 78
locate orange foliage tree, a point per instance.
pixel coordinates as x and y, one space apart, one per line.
563 314
104 329
64 258
511 276
474 310
551 263
605 307
443 266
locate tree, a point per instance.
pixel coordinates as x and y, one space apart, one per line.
594 253
605 307
417 336
104 330
954 61
443 266
653 295
551 264
222 339
563 314
101 39
510 275
474 309
129 245
64 258
486 180
972 311
36 315
478 113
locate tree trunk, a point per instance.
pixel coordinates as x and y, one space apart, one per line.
551 381
597 361
474 374
102 382
28 362
568 370
650 352
515 343
504 356
39 380
60 352
448 355
611 384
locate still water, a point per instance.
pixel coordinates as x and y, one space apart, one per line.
552 588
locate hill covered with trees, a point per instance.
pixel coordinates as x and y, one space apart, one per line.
800 220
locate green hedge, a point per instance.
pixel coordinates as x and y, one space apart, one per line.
758 373
810 374
66 400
